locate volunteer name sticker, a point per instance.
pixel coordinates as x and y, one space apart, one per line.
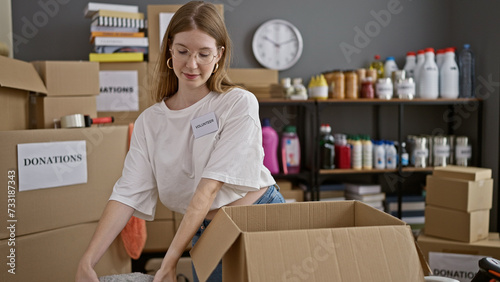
51 164
204 125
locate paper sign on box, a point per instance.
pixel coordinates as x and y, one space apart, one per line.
51 164
119 91
457 266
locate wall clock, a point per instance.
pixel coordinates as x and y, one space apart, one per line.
277 44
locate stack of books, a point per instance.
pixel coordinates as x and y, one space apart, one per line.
412 209
332 192
117 33
370 194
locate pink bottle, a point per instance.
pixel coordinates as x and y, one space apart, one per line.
290 150
270 141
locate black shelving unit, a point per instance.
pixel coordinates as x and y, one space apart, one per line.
309 120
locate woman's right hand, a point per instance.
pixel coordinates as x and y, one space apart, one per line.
85 273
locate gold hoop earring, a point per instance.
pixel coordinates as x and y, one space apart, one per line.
216 68
170 60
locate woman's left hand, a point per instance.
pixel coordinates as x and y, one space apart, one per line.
165 275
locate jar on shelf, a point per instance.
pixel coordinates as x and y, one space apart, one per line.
351 84
367 90
338 85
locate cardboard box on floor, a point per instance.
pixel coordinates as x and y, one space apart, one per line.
313 241
456 225
69 78
457 260
54 255
145 98
458 194
51 208
17 80
487 247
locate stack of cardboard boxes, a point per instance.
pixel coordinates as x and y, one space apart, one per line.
47 229
458 204
72 88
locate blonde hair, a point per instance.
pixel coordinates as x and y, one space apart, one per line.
204 17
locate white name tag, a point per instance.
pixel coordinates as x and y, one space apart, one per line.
204 125
51 164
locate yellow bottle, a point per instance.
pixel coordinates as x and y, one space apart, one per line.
378 65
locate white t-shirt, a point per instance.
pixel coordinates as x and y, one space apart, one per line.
166 160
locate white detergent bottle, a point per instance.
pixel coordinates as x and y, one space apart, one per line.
416 73
390 66
449 76
410 65
428 84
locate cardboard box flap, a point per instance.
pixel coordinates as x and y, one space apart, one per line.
307 215
20 75
366 215
376 253
212 246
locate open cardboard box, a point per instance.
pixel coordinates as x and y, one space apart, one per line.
313 241
17 80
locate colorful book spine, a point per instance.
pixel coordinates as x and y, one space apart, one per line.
116 57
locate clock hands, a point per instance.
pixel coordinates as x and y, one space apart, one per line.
277 45
288 41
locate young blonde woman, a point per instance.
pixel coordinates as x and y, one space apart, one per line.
198 148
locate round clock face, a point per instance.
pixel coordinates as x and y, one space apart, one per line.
277 44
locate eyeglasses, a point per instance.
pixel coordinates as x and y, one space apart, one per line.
204 57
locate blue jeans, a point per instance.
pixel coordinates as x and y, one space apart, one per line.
271 196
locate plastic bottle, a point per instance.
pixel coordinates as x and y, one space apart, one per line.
342 152
449 76
378 66
390 66
410 64
300 91
327 147
466 64
290 150
270 142
440 58
286 84
367 152
391 155
405 157
379 155
428 78
420 63
357 153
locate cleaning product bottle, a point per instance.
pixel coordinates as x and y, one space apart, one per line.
367 152
379 154
390 155
440 57
411 63
378 66
390 66
449 76
420 63
357 153
290 150
270 142
342 152
327 147
428 85
467 74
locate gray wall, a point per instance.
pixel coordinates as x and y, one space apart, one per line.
56 30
